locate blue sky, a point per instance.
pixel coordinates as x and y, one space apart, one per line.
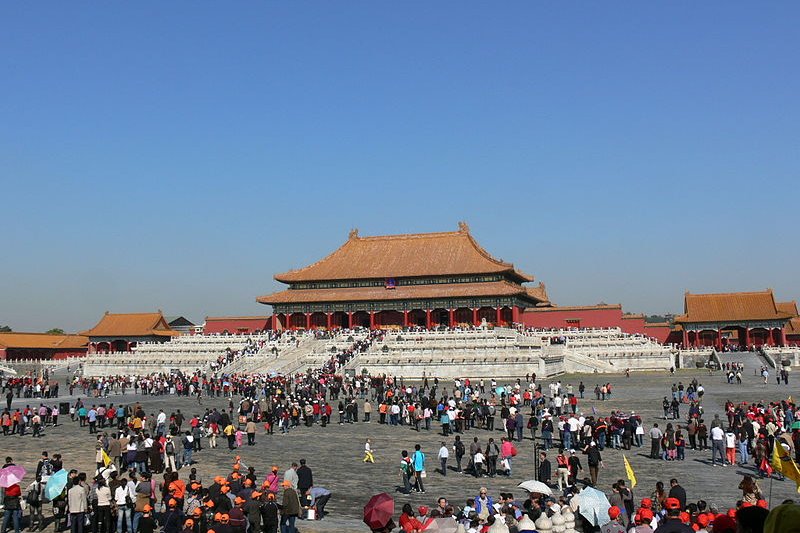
176 155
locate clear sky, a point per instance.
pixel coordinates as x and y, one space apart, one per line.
176 155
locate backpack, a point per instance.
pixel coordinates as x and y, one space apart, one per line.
47 468
170 447
34 495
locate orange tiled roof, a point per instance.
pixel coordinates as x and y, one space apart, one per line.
793 327
410 255
656 324
731 307
43 341
131 325
633 316
404 292
539 293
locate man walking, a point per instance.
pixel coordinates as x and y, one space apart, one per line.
444 454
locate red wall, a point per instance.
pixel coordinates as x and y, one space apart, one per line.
604 317
593 317
236 325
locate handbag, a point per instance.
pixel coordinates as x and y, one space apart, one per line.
423 474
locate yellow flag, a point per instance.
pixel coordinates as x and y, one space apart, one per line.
783 463
106 458
629 471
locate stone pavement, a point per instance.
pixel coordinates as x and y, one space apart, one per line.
335 453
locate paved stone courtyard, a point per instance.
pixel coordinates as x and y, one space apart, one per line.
335 452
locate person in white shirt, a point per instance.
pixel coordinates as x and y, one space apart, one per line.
123 495
717 445
477 460
368 457
444 454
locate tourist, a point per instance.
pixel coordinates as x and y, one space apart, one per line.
290 508
418 462
317 497
459 450
368 456
444 454
545 470
594 460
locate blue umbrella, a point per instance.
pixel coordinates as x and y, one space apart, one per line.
500 390
55 484
594 505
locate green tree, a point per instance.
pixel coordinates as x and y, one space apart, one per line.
55 331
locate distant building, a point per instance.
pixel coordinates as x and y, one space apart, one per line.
121 332
235 324
180 324
421 279
593 316
16 346
742 318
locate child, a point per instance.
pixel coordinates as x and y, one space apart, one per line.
239 438
368 457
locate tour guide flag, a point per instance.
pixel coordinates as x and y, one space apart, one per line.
629 471
783 463
106 458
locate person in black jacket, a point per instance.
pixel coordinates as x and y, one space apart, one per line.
269 514
305 480
677 492
545 470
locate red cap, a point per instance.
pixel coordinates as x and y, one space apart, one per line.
646 515
672 503
647 503
423 510
702 519
685 517
724 522
613 512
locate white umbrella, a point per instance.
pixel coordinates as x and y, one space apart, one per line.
536 486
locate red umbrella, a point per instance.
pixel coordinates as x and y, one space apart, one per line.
378 511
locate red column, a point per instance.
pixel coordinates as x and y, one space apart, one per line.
515 314
719 339
308 320
747 337
372 320
273 323
329 320
499 313
783 336
405 319
288 320
350 320
685 338
428 318
452 318
475 316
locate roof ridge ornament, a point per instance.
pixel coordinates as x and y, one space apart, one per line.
463 227
353 234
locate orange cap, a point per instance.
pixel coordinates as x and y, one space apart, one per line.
256 494
286 483
147 508
271 496
238 500
236 466
189 523
209 504
172 502
248 482
224 518
217 516
197 511
225 489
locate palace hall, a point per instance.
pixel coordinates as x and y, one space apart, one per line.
422 279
